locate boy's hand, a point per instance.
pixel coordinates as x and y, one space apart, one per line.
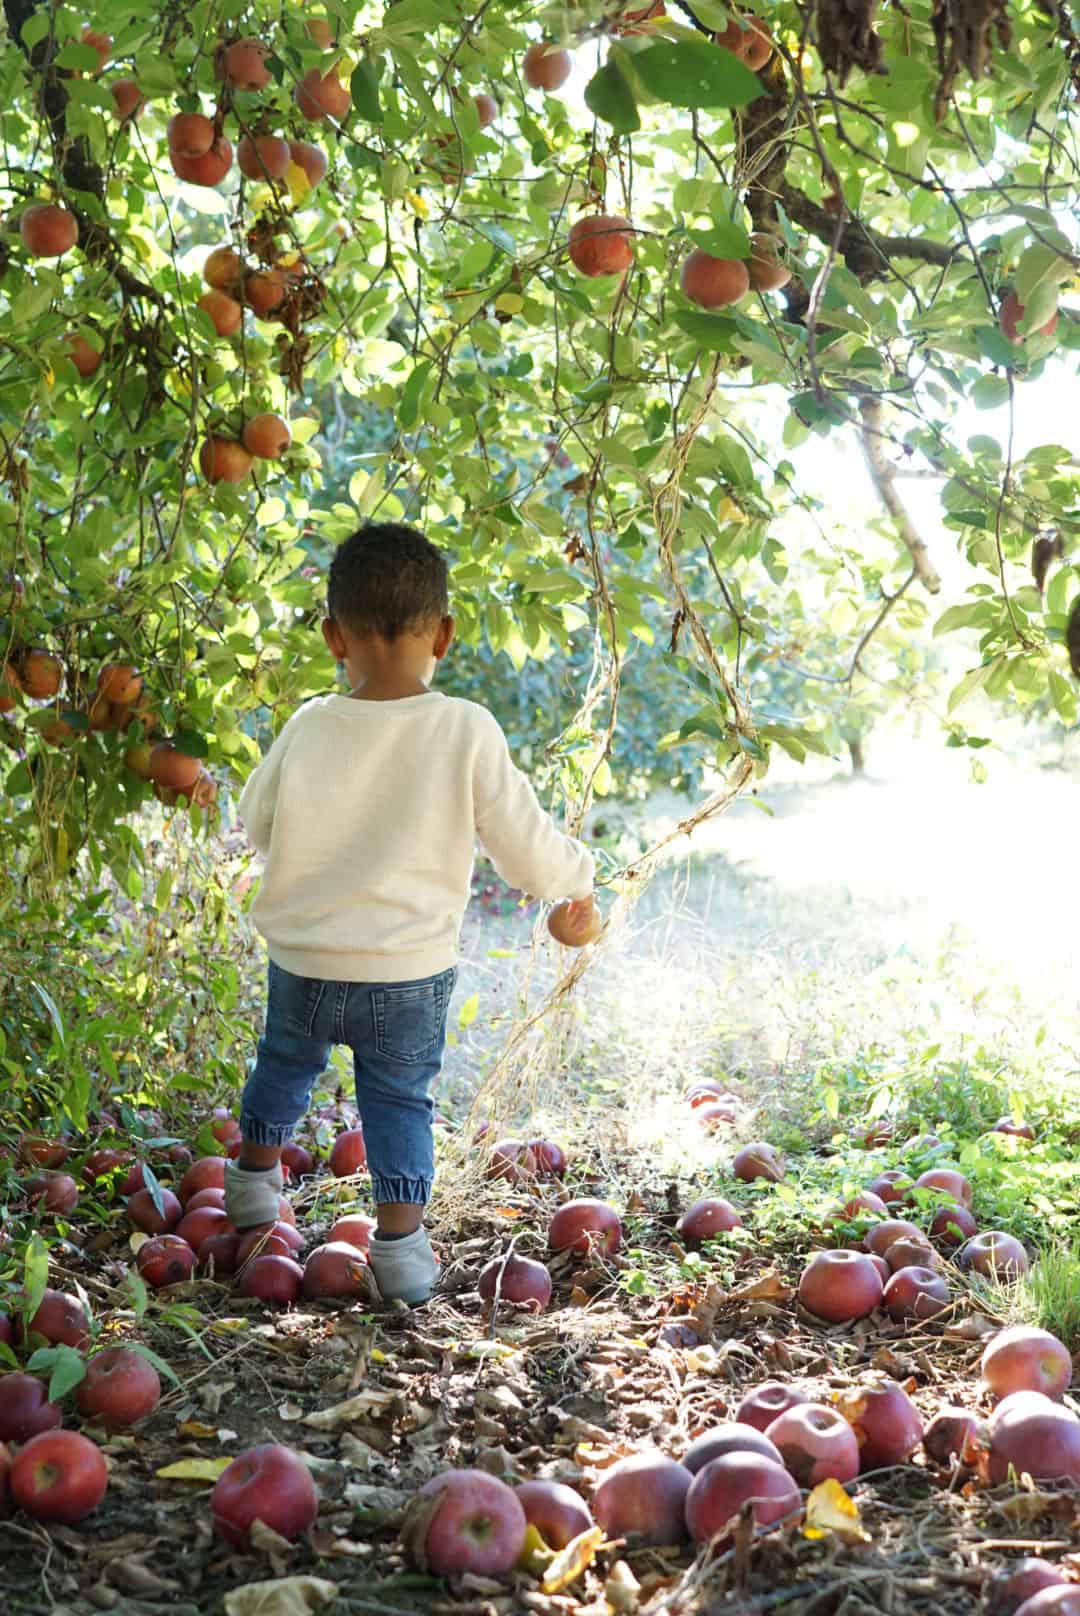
575 922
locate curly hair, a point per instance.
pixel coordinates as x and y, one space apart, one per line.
387 579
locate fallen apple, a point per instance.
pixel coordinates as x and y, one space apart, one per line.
516 1279
59 1476
882 1235
1006 1592
557 1511
585 1226
725 1487
120 1388
706 1218
53 1192
911 1251
644 1497
894 1186
758 1160
994 1255
950 1226
273 1279
815 1444
356 1229
734 1436
349 1154
467 1521
948 1181
1016 1130
198 1225
205 1174
840 1286
25 1408
1030 1434
949 1434
278 1239
915 1293
61 1320
297 1159
338 1269
165 1260
268 1483
1024 1359
764 1403
887 1425
144 1214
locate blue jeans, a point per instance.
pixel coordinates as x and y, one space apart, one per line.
397 1033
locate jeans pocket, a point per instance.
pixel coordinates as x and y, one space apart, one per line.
295 1000
410 1018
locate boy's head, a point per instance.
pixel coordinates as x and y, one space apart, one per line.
388 606
387 580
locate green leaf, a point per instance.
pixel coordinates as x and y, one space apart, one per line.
190 742
1063 695
77 57
35 28
716 332
972 681
1040 267
980 612
609 97
364 86
694 73
413 79
724 239
35 1275
151 1182
468 1012
67 1367
53 1012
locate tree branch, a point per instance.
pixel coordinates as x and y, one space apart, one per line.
866 253
881 472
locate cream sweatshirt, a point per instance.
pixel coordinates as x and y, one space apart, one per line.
368 813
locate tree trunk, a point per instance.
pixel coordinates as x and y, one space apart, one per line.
857 752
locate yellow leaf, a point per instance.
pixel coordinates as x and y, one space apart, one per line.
207 1470
509 302
298 183
228 1326
196 1428
535 1556
379 1357
137 1239
570 1562
418 205
829 1509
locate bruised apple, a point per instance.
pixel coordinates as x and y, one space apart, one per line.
516 1279
467 1521
61 1320
600 245
268 1483
165 1260
815 1444
120 1388
726 1486
949 1433
58 1476
887 1425
585 1226
840 1286
915 1293
644 1497
557 1511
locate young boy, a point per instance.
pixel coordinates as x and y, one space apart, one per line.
368 807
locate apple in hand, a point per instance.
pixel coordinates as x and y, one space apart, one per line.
466 1520
268 1483
120 1388
59 1476
575 922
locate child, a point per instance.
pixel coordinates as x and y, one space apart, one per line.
367 807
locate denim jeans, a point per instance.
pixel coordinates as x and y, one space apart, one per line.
397 1033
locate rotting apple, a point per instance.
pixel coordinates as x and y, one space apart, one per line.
911 1251
59 1476
815 1444
887 1425
120 1388
268 1483
165 1260
949 1434
644 1497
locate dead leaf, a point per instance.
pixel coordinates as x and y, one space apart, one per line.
378 1506
358 1407
285 1596
196 1428
357 1454
570 1563
289 1412
592 1454
1030 1506
204 1470
622 1590
971 1328
579 1297
829 1511
768 1287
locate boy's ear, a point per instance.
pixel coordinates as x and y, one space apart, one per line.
443 639
335 640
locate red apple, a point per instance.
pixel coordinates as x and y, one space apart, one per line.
210 1197
205 1174
310 159
513 1160
1028 1433
24 1407
949 1183
994 1255
894 1186
911 1251
7 1329
336 1269
166 1260
53 1192
59 1476
713 283
62 1320
516 1279
866 1207
545 66
100 1163
764 1403
707 1218
47 230
45 1152
1016 1130
268 1483
190 134
263 157
322 95
585 1226
915 1293
223 460
550 1159
601 244
840 1286
715 1114
349 1154
758 1160
883 1235
219 1253
224 1125
952 1225
1058 1601
298 1160
886 1422
356 1229
477 1525
278 1239
1007 1592
1012 312
726 1486
731 1437
274 1279
949 1434
884 1271
145 1215
243 64
815 1443
557 1512
134 1180
120 1388
1023 1359
644 1497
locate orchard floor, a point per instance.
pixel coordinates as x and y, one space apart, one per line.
880 926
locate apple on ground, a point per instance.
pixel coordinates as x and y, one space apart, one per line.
887 1425
465 1521
949 1433
1007 1591
557 1511
995 1255
733 1436
268 1483
516 1279
120 1388
349 1154
585 1226
337 1269
758 1160
726 1486
59 1476
62 1320
706 1218
274 1279
766 1402
644 1497
165 1260
25 1408
1025 1359
840 1286
144 1214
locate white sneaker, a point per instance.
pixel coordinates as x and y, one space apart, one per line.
405 1269
252 1198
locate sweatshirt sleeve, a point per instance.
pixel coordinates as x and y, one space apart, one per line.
521 839
259 796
